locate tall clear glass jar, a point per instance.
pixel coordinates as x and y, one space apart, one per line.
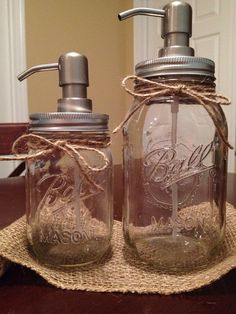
69 188
175 170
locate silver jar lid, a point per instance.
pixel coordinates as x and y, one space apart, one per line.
68 121
176 65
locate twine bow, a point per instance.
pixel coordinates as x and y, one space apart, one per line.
30 146
205 96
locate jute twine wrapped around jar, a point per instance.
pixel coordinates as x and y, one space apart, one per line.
31 146
202 94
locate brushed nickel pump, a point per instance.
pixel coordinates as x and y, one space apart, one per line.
73 78
74 110
176 26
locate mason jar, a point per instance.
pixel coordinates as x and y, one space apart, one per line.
69 188
175 169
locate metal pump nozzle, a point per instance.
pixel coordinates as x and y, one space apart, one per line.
73 78
176 27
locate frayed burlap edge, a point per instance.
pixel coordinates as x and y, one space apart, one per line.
120 272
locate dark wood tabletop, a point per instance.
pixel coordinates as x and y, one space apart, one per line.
24 292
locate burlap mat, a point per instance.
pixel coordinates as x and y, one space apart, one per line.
119 271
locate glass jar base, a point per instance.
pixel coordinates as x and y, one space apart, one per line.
175 253
71 255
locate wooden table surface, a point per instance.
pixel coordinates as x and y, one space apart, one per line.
24 292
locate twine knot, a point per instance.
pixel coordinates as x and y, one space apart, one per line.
179 88
60 143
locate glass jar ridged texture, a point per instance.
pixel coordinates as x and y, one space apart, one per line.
175 168
69 198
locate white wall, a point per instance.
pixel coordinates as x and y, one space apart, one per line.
13 94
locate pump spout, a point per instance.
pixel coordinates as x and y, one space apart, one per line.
37 68
141 11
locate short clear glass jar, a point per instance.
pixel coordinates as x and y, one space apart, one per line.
175 172
69 190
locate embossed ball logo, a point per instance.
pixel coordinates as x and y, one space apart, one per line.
167 166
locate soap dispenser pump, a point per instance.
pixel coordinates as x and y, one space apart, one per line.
175 142
73 78
176 26
68 173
